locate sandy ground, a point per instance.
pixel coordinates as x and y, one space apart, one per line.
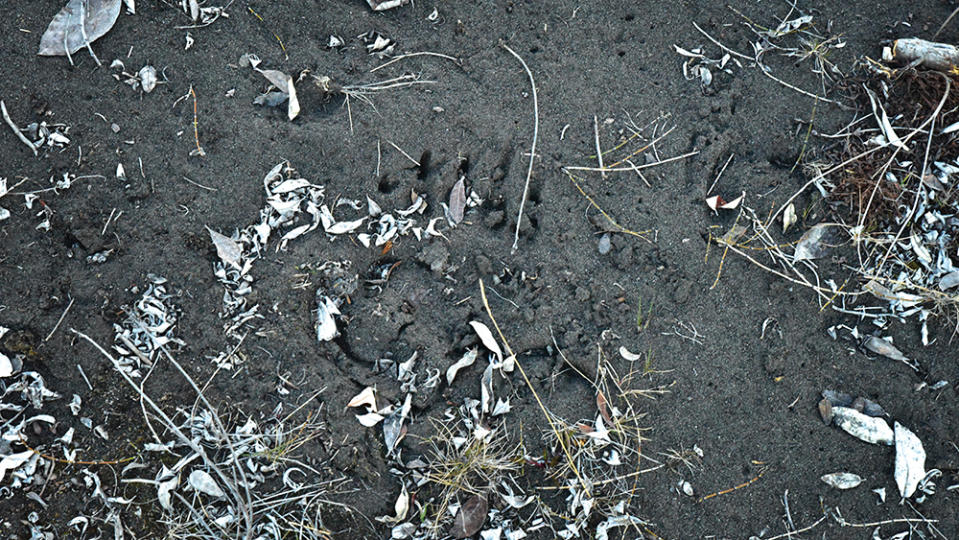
747 400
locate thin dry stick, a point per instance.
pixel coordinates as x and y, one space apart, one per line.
407 156
637 167
196 133
532 150
549 419
410 55
16 130
60 320
790 534
718 176
199 185
619 228
945 22
599 151
721 46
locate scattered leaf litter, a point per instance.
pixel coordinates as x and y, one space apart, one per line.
149 325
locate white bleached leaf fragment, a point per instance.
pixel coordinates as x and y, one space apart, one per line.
486 389
325 323
789 217
612 522
293 106
465 361
629 356
910 465
202 481
6 366
920 250
812 244
486 337
331 226
393 425
870 429
13 461
165 489
131 6
366 398
370 419
400 508
229 251
949 280
457 204
841 480
683 52
148 78
501 407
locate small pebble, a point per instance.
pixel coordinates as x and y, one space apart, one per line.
604 244
115 128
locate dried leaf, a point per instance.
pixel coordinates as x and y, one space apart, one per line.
789 217
813 245
202 481
325 323
458 201
865 428
79 22
13 461
370 419
467 360
393 426
910 461
716 202
841 480
366 398
229 251
486 337
882 346
470 518
401 508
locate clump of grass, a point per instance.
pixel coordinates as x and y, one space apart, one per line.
464 464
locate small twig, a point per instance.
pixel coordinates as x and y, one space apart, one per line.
732 489
634 168
109 219
410 55
619 228
196 134
945 22
762 68
199 185
721 46
84 375
599 151
407 156
718 176
60 320
280 41
532 150
16 130
790 534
